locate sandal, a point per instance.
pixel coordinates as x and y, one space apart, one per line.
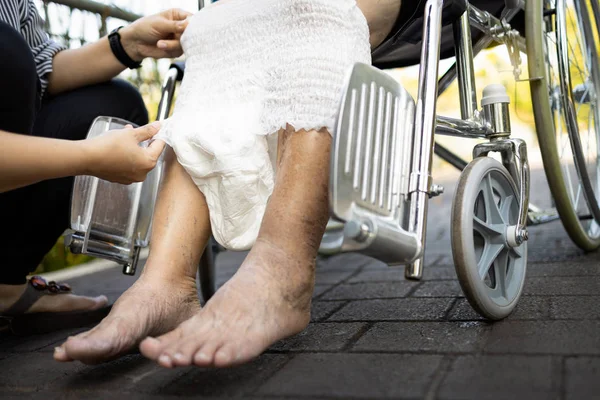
22 323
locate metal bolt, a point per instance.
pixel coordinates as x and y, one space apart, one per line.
523 235
435 190
357 231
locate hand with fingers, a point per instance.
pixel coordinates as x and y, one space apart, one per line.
117 156
155 36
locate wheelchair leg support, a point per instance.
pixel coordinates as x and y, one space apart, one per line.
425 119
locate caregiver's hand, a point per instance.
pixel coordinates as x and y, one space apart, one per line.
116 156
155 36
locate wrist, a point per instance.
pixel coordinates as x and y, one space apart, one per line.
129 44
87 156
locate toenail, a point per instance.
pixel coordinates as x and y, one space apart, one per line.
178 356
202 357
165 359
59 350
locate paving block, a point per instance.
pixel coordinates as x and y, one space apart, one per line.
348 376
328 336
347 262
528 308
394 274
487 377
393 310
450 288
132 374
23 344
581 378
321 310
379 274
33 371
563 269
370 290
237 381
320 289
438 337
332 277
563 286
545 337
572 307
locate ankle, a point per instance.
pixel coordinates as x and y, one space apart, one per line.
293 276
156 278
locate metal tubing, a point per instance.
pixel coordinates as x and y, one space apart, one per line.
457 127
425 127
492 26
451 158
463 46
166 98
498 116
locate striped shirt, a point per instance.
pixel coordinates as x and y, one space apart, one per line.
23 16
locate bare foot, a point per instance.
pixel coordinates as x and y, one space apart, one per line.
9 294
151 306
268 299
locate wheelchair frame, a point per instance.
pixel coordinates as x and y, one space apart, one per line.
473 123
492 122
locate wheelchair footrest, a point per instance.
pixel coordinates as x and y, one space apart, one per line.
370 166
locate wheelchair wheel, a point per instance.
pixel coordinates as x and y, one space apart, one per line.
491 273
563 44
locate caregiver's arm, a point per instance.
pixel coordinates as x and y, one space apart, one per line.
115 156
155 36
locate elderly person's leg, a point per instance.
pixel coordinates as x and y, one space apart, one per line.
269 297
165 294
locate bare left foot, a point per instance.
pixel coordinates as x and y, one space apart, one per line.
268 299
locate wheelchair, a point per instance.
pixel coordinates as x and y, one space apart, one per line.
383 146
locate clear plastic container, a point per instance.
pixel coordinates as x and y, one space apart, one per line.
111 220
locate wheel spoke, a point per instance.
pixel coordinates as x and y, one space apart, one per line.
492 213
500 265
489 255
505 206
488 231
517 252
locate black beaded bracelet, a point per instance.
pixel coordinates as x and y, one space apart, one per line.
114 38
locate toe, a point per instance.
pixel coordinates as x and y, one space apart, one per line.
61 355
151 348
224 357
165 361
97 345
204 357
183 355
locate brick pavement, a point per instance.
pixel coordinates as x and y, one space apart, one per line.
373 335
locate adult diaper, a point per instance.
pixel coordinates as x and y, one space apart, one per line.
252 67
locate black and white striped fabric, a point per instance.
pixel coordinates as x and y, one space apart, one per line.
23 16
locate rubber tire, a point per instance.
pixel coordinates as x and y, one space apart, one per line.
544 123
462 238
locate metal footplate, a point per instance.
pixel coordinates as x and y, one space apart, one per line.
370 167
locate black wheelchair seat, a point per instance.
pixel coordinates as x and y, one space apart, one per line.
402 48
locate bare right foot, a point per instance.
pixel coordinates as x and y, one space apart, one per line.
152 306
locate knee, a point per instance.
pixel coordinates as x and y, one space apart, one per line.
130 102
18 77
16 64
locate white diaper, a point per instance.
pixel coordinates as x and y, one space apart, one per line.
253 66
